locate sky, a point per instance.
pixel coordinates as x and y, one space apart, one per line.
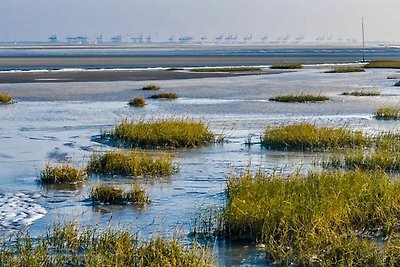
38 19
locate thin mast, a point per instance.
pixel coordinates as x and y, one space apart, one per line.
363 38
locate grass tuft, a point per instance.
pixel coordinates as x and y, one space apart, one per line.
390 64
131 163
388 113
173 133
299 98
151 87
305 136
70 245
61 174
319 219
108 194
5 99
137 102
383 155
286 66
165 96
362 93
346 70
226 69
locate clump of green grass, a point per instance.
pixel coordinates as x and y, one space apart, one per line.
226 69
61 174
385 160
137 102
362 93
151 87
173 133
388 113
346 69
71 245
108 194
6 99
390 64
319 219
305 136
299 98
382 155
132 163
286 66
165 96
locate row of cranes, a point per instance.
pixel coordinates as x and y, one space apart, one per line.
229 38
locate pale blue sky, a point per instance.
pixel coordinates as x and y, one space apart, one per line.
37 19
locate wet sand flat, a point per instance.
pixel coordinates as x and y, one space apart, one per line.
115 75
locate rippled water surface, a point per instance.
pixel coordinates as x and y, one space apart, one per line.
34 132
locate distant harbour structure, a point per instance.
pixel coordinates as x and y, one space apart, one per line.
138 39
53 39
264 38
77 40
185 39
99 39
117 39
248 38
148 39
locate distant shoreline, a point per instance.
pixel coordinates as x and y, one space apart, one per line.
116 75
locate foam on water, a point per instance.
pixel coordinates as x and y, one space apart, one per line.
20 209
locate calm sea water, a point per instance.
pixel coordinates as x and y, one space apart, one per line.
268 55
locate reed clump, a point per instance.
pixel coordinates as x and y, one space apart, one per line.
71 245
6 99
301 98
151 87
389 64
319 219
60 174
107 194
383 155
137 102
346 70
226 69
362 93
309 137
174 133
170 96
388 113
131 163
286 66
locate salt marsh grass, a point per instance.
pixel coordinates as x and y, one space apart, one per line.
60 174
319 219
388 113
108 194
6 99
170 96
131 163
286 66
305 136
346 69
383 155
390 64
151 87
226 69
71 245
362 93
174 133
137 102
300 98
